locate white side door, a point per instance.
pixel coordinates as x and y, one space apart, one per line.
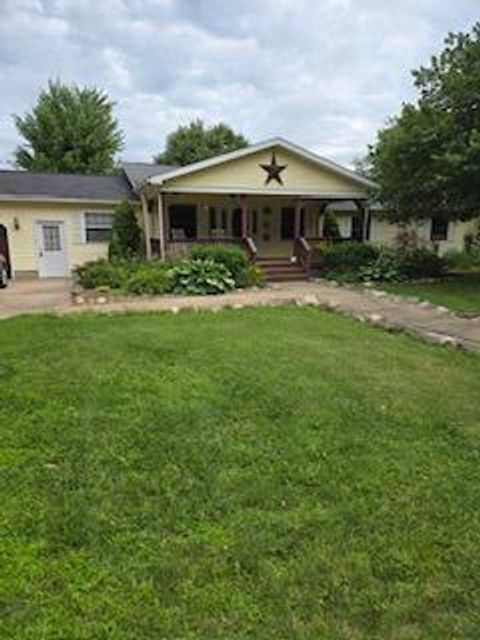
52 254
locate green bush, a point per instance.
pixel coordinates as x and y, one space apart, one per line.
387 267
201 277
463 260
233 258
331 230
103 273
356 261
150 278
252 276
421 263
347 256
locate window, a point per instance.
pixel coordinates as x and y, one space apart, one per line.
51 238
237 223
98 227
183 221
439 230
212 219
287 228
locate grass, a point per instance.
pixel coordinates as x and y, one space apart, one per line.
461 294
263 473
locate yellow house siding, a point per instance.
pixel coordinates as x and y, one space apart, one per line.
22 242
244 174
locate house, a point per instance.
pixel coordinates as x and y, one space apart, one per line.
270 198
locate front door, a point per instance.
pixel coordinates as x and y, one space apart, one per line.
52 255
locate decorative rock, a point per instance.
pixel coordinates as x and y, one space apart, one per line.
443 310
174 309
375 318
237 306
79 300
101 300
311 299
443 339
378 293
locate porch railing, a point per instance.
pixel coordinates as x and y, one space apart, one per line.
251 248
303 253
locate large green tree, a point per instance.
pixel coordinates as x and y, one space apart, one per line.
71 129
427 160
196 142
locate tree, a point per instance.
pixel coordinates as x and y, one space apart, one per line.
197 142
126 242
71 129
427 160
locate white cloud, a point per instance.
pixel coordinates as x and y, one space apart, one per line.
324 73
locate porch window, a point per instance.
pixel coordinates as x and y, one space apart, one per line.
237 223
439 230
98 226
183 221
287 228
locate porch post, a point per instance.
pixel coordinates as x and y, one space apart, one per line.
244 207
146 227
298 214
161 225
365 222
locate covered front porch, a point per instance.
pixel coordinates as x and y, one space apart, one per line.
266 226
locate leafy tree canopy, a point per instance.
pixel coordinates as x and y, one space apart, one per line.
196 142
71 129
427 160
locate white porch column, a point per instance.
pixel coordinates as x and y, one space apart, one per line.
146 227
161 225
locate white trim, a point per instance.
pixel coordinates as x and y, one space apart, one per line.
273 142
308 193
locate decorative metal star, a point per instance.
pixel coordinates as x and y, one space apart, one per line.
274 170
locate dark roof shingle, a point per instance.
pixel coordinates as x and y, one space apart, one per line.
64 186
138 172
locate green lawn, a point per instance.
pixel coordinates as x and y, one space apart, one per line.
461 294
264 473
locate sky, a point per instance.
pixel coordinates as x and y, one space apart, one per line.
325 74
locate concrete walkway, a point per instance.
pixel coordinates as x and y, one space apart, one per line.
34 296
433 323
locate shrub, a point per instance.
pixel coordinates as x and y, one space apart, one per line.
201 277
347 256
233 258
421 263
102 273
463 260
126 242
386 267
150 278
252 276
331 229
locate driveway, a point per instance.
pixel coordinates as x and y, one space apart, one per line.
34 296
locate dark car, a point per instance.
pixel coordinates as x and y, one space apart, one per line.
3 271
